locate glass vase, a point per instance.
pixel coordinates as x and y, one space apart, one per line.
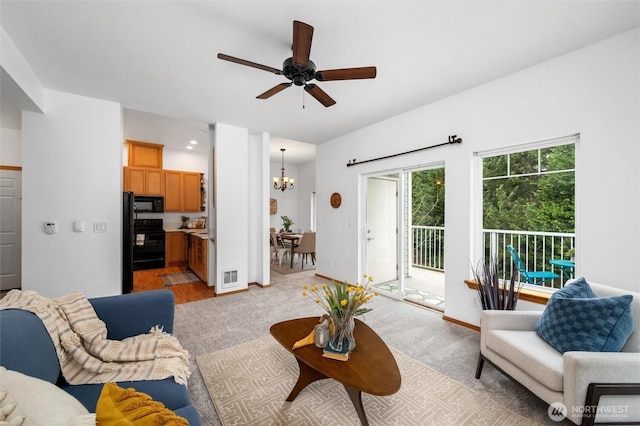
342 339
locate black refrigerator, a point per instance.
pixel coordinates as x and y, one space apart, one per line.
128 239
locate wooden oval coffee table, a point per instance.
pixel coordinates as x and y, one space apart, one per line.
371 367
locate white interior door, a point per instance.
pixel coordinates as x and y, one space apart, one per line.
382 225
10 229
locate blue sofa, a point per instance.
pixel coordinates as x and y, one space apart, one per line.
25 346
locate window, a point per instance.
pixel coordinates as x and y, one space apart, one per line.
528 201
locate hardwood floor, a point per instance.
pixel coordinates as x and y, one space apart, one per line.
150 280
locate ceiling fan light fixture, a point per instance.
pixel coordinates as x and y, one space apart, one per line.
299 69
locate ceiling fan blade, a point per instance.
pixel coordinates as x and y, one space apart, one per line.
346 74
320 95
248 63
277 89
302 37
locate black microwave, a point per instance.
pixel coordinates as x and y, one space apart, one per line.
148 204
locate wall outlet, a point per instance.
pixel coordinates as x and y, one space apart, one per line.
99 226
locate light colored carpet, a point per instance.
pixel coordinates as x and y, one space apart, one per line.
179 278
221 322
249 383
285 269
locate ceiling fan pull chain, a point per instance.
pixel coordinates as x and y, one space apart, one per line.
303 92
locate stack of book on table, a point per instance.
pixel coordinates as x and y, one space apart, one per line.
335 354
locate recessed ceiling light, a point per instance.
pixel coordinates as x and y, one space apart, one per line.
189 147
194 142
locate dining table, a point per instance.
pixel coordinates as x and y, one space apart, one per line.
294 239
565 265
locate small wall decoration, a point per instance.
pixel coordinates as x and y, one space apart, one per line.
273 206
336 200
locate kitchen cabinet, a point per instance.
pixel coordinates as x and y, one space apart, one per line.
198 256
143 181
176 248
191 191
182 191
144 154
173 191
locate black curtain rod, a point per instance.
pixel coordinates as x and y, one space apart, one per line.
452 139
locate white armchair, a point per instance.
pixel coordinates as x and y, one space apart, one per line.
593 386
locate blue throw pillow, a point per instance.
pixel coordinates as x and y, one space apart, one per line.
575 319
578 288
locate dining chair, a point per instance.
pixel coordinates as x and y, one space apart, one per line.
278 248
306 247
530 277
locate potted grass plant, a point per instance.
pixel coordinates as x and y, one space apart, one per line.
286 223
493 293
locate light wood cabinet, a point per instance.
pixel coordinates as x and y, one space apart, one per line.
198 257
142 181
191 192
173 191
182 191
144 154
176 248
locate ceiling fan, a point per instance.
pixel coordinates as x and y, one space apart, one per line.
299 69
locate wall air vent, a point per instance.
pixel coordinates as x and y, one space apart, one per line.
230 278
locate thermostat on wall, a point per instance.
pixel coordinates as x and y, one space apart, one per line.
49 227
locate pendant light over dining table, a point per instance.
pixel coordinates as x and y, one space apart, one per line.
283 182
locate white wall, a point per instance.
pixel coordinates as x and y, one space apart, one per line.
10 147
593 91
305 187
72 161
19 82
258 208
232 203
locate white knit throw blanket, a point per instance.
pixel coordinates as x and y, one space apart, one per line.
85 353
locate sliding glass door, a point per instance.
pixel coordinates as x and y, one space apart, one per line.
404 247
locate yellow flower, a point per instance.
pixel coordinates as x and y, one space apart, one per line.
314 288
370 278
317 300
343 302
324 286
304 293
305 286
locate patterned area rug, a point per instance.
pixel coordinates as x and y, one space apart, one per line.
179 278
248 385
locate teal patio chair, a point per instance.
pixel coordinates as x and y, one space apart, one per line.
530 277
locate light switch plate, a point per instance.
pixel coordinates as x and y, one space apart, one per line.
100 227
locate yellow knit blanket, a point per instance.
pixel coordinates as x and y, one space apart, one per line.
84 352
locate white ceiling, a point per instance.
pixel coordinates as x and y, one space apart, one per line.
160 57
178 133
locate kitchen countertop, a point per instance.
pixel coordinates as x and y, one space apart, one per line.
204 232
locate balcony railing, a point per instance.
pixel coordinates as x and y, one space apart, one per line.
428 247
535 248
